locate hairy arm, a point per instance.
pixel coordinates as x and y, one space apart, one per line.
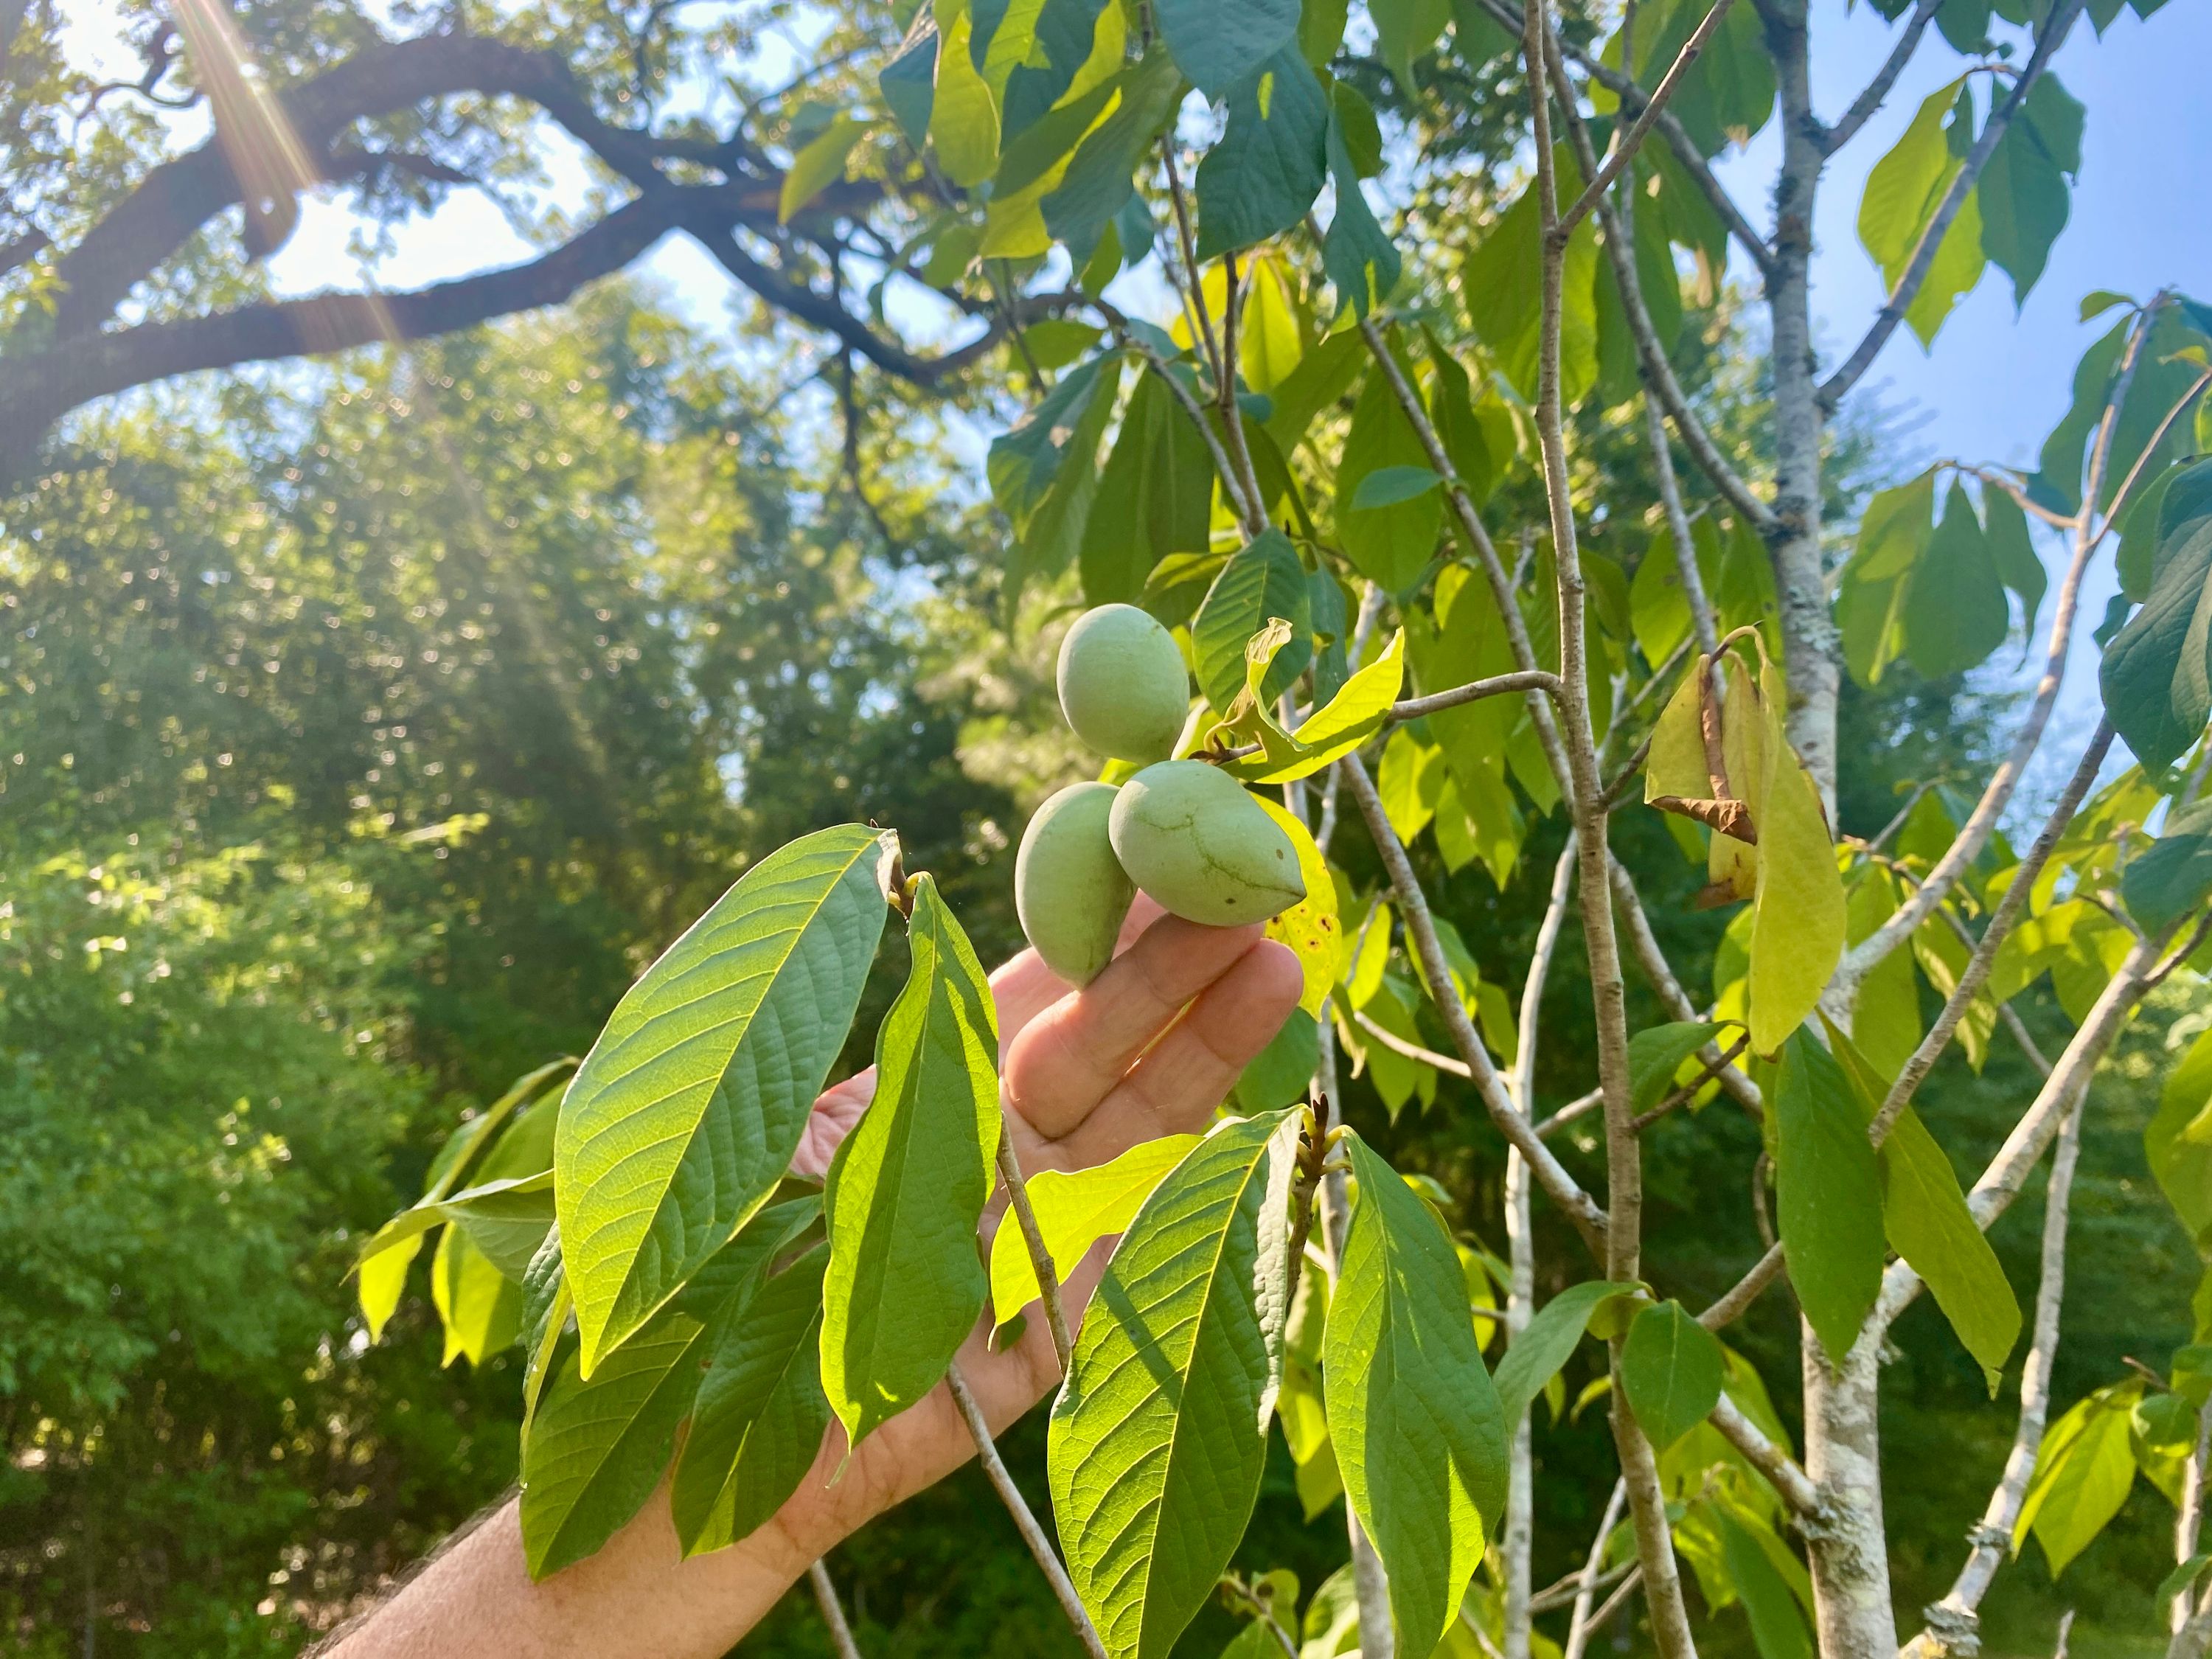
1150 1048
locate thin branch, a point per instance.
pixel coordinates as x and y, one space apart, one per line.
1834 388
1982 822
1878 89
1625 148
1578 1205
2001 920
1687 156
1626 1588
833 1612
1780 1469
1194 272
1746 1290
1710 1070
1703 627
1904 813
1953 1621
1580 1107
1246 510
1580 1624
1032 1534
1411 1050
1017 1200
1657 371
1497 685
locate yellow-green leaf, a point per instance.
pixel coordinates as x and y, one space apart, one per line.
1075 1210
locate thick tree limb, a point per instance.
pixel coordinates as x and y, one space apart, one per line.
1837 385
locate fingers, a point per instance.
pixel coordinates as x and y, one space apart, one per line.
1068 1058
1174 1087
1024 987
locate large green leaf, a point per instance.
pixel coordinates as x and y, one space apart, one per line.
1154 498
1893 532
1158 1436
1390 544
2084 1471
479 1306
2157 673
1908 183
1827 1193
1670 1369
2173 876
1074 1210
1262 175
2178 1141
909 1185
760 1415
1101 181
1538 1352
1217 43
1361 260
1924 1215
688 1108
2022 189
385 1258
1957 614
1025 460
1778 1624
1419 1438
597 1447
1263 579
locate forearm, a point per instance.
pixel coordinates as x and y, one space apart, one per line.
637 1596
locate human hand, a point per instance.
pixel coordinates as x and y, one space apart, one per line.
1150 1048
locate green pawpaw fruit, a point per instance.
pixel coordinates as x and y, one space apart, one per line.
1122 683
1188 835
1070 890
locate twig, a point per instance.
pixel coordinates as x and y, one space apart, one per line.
1579 1206
1990 1540
1877 90
1497 685
1580 1623
1737 1301
833 1612
1977 971
1580 1107
1780 1469
987 1449
1711 1069
1624 150
1017 1200
1397 1044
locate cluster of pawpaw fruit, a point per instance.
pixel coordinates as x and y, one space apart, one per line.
1183 831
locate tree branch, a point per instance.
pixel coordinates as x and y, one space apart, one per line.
1796 1487
1017 1200
1579 1206
2001 924
1625 148
833 1612
1534 679
1834 388
1982 822
1691 160
1024 1520
1952 1621
1877 90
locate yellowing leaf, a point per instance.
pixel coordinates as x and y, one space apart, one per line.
1075 1210
1798 932
1676 765
1311 928
964 124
